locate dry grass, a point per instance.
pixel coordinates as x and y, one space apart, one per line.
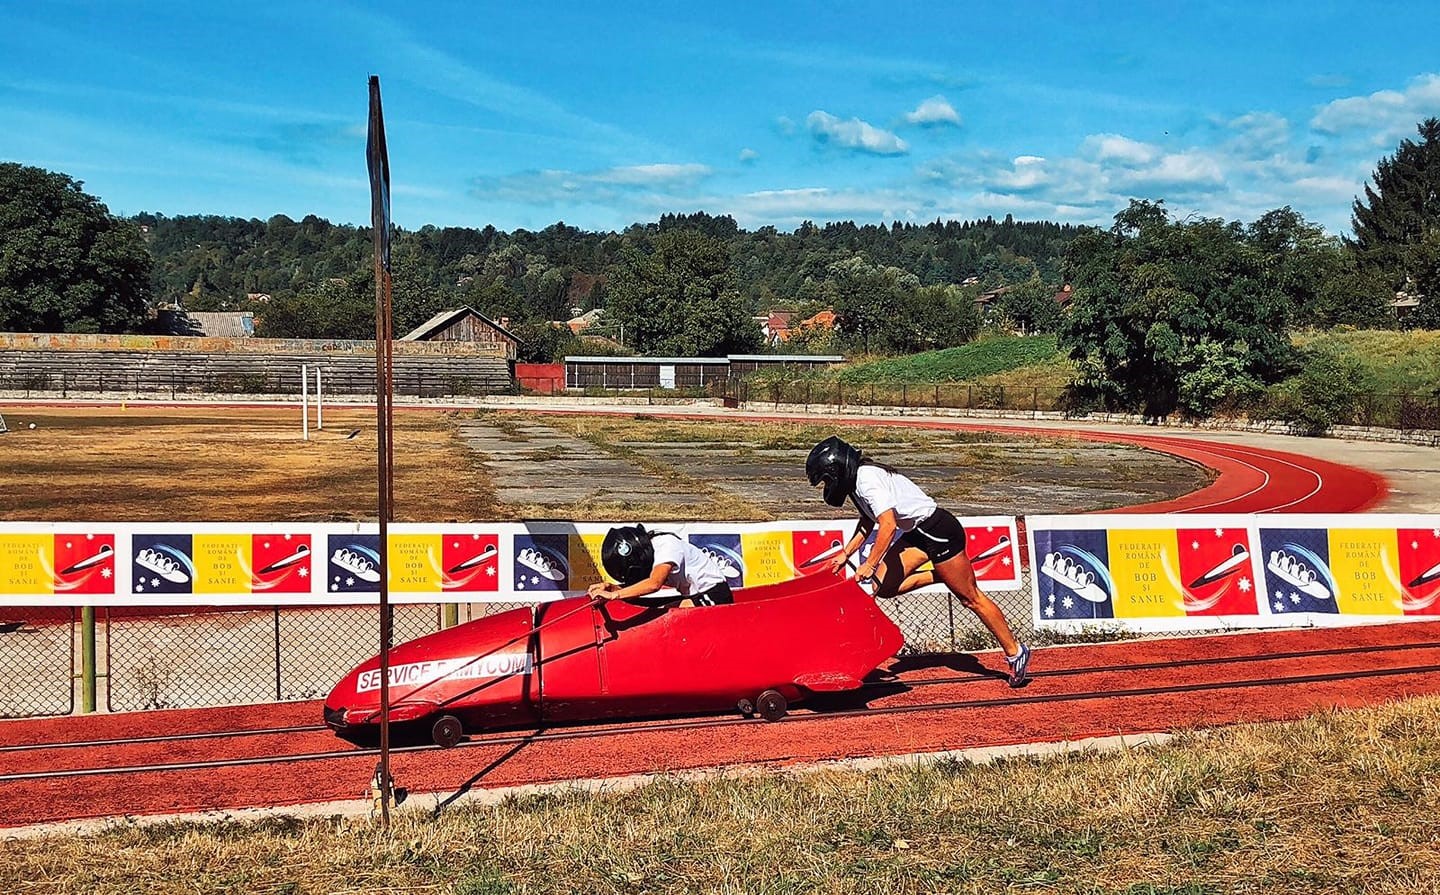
230 464
1341 802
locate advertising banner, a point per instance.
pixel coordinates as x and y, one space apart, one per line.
1168 573
1360 567
1143 572
266 564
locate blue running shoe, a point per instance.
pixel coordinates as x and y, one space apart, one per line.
1019 666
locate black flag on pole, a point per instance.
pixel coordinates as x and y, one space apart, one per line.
379 162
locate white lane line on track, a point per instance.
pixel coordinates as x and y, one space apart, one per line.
1319 480
1204 447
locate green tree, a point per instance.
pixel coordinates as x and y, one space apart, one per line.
1353 298
677 298
339 308
1397 223
1173 315
870 303
1031 307
1299 259
544 343
66 263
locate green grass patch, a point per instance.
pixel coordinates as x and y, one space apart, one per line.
984 357
1390 362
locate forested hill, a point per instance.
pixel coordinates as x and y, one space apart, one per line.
212 262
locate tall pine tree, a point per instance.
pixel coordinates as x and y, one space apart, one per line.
1397 223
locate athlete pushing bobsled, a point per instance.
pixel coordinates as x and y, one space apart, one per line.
909 529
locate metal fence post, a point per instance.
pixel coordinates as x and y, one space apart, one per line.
87 659
279 693
450 615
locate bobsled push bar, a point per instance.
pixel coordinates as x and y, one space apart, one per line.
529 633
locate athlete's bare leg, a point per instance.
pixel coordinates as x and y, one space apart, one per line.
896 574
959 577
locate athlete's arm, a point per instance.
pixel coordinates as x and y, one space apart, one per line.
640 588
884 536
862 531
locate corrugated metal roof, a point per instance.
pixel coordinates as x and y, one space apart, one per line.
448 318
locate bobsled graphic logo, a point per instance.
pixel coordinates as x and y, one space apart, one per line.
470 562
354 564
162 564
815 550
53 564
1075 577
84 564
279 563
725 550
465 668
1217 572
1297 570
541 562
991 553
1420 570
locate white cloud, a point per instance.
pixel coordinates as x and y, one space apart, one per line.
1388 113
1175 169
638 175
748 155
590 186
1115 148
934 111
1028 172
854 134
1260 134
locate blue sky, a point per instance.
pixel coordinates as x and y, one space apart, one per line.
522 114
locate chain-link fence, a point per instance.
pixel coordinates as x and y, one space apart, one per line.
154 659
37 661
232 657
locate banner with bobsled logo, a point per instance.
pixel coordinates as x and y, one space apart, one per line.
1167 573
216 564
1367 567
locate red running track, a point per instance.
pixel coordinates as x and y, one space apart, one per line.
1248 479
1079 692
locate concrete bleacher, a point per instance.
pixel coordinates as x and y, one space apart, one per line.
152 371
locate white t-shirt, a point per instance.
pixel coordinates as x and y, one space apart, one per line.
692 570
877 491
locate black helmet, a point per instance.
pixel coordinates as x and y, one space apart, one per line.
834 462
627 554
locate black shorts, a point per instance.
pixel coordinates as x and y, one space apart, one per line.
940 536
715 596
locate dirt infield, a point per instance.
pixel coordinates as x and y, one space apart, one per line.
199 463
230 464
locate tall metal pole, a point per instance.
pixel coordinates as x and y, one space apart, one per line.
379 164
304 403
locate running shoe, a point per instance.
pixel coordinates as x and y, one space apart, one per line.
1019 666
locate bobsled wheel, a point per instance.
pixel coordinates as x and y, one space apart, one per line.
447 731
745 707
772 705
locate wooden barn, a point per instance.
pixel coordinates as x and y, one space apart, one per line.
465 325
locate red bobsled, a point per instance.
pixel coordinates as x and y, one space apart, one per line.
579 660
